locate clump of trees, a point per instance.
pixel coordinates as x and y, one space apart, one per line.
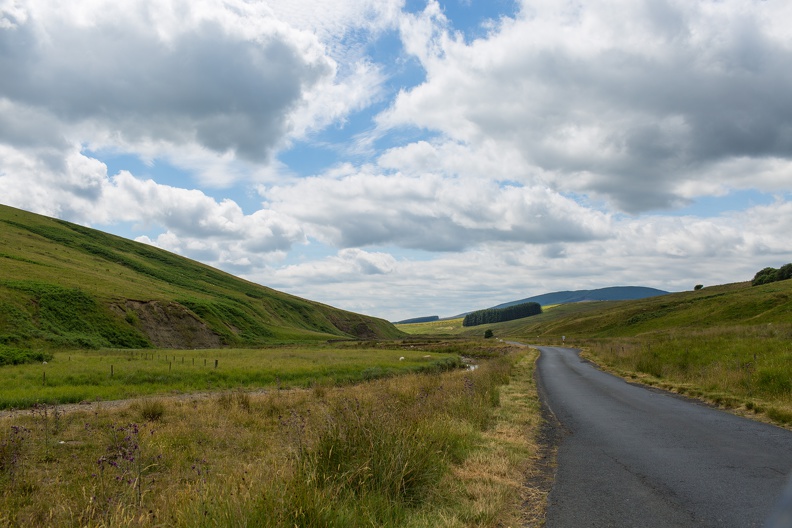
768 275
498 315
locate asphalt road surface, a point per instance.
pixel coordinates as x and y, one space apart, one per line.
632 456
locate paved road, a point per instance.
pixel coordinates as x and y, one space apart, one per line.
643 458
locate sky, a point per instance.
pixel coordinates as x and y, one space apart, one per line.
406 158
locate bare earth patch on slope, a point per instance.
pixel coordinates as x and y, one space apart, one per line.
168 325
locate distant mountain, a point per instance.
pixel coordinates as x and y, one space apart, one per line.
614 293
427 319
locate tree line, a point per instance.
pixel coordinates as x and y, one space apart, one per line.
498 315
772 275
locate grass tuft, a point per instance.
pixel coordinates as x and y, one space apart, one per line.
152 410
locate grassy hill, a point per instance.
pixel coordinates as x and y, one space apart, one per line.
64 286
716 306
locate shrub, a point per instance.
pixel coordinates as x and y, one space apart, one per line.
774 382
71 318
11 451
779 415
16 356
784 272
768 275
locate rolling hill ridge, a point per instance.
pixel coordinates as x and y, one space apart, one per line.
613 293
63 285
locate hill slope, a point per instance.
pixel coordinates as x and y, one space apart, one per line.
729 304
63 285
614 293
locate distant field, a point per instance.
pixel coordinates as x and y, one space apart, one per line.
448 326
75 376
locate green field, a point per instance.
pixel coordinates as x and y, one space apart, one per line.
87 375
445 327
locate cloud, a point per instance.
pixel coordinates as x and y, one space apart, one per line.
431 212
636 102
672 253
220 78
193 223
213 87
346 265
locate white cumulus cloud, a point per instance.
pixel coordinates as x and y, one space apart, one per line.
637 102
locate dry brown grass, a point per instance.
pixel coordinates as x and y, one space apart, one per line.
497 477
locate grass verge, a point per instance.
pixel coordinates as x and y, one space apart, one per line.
747 369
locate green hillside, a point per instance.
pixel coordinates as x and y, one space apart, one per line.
65 286
726 305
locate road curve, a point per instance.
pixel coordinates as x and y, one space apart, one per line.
633 456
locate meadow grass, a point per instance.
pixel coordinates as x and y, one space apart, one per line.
86 375
435 449
439 328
